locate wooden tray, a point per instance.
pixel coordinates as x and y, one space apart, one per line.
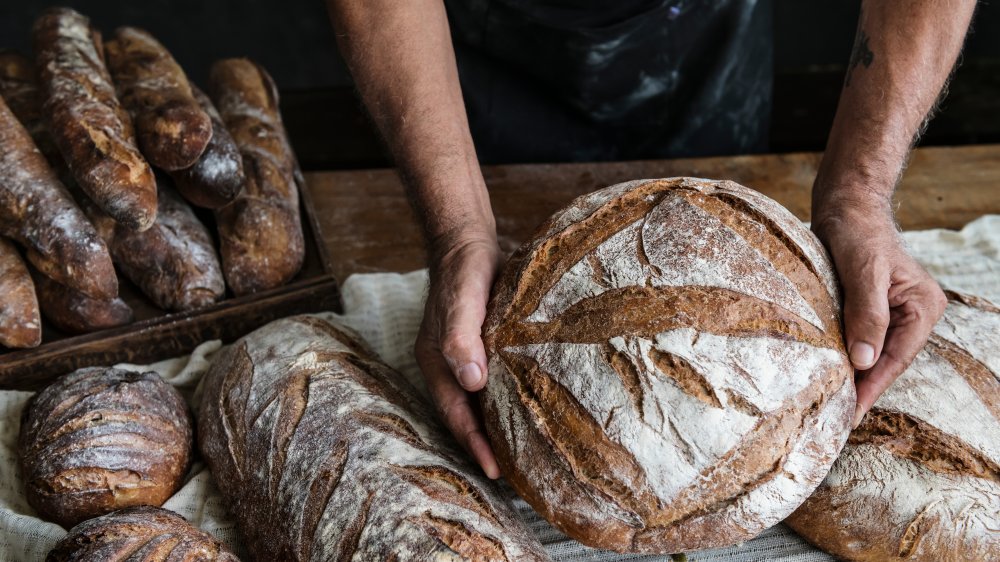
157 335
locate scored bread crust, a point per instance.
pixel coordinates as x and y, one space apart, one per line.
325 453
919 479
100 439
139 534
92 130
260 231
667 370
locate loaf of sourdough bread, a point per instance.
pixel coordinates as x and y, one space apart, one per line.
139 534
100 439
919 479
666 366
325 453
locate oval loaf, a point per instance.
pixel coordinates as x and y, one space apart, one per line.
139 534
919 479
666 366
325 453
100 439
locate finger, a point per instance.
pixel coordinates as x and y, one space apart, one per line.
911 324
457 413
461 343
866 313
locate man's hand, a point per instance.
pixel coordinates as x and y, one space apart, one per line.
449 348
890 302
903 53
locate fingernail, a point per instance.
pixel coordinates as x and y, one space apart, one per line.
862 355
859 414
470 375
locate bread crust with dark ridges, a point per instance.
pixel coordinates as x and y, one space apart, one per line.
73 312
667 370
139 534
38 213
20 324
920 477
171 127
93 131
217 177
325 453
100 439
260 231
173 262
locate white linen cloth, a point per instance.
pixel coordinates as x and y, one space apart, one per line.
386 309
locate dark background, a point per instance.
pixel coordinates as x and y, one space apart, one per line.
293 39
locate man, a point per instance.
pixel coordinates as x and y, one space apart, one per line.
404 64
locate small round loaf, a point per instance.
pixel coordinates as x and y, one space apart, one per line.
100 439
139 534
919 479
666 366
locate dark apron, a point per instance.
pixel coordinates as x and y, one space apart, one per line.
584 80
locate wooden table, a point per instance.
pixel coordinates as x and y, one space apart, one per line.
367 225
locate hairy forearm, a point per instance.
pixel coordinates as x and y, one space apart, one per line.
401 57
903 55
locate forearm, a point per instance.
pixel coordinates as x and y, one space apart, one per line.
402 60
903 54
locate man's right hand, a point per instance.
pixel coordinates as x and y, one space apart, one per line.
449 347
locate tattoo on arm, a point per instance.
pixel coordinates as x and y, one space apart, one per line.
860 54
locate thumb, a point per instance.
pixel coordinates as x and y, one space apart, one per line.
461 343
866 316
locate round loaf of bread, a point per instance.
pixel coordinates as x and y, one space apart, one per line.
100 439
139 534
919 479
666 366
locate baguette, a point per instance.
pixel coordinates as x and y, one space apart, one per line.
171 127
139 534
260 231
38 213
217 177
325 453
73 312
174 262
92 130
19 89
20 325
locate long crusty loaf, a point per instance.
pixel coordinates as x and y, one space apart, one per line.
100 439
38 213
139 534
217 177
20 325
73 312
171 127
93 131
919 479
19 88
260 231
666 366
325 453
173 262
